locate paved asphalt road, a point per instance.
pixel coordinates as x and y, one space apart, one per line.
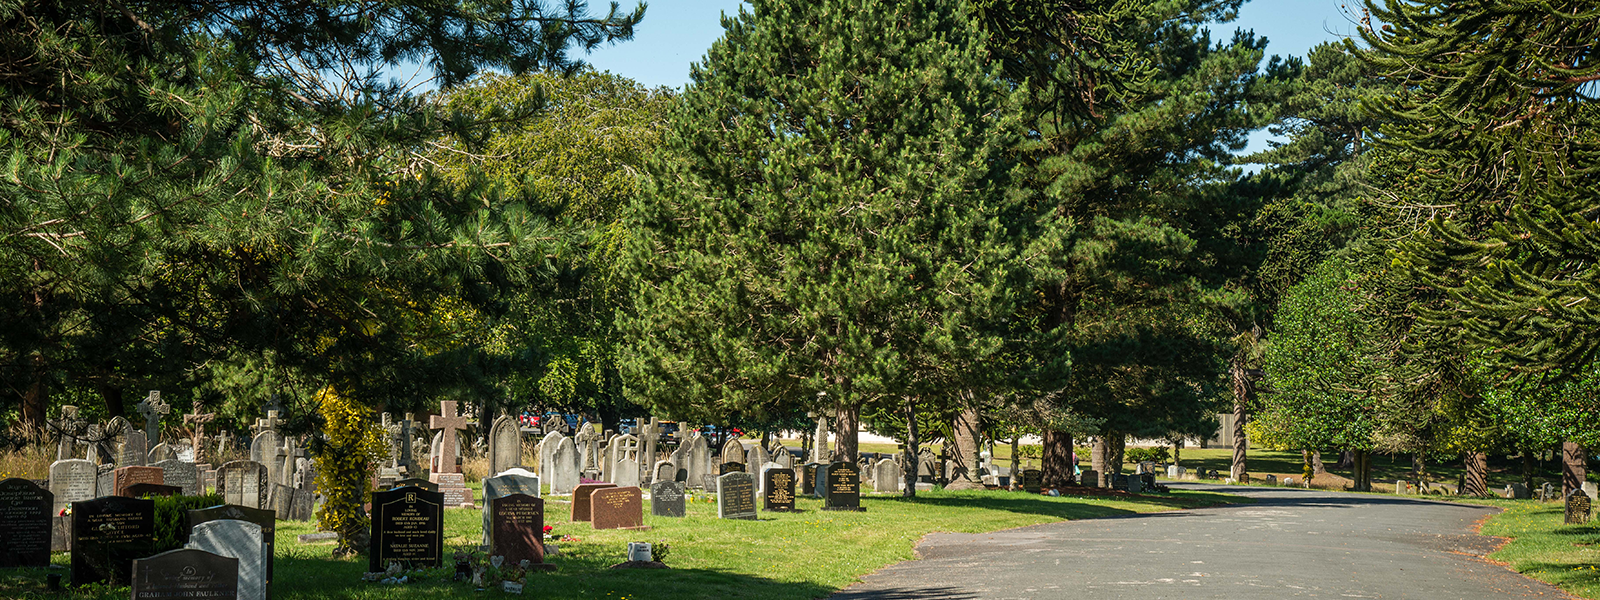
1288 544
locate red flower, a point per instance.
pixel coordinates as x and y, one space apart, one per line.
547 528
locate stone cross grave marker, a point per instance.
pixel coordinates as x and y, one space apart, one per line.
245 483
241 541
843 487
448 423
1578 504
512 481
505 444
289 456
25 524
518 530
667 498
648 435
153 409
108 534
407 527
264 519
623 456
186 573
617 508
198 420
736 496
581 497
778 489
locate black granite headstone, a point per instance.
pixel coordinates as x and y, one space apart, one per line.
407 527
843 487
730 467
260 516
24 524
108 534
1032 480
417 482
808 477
186 573
778 484
666 499
1119 482
140 490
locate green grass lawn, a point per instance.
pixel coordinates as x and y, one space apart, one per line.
1544 548
808 554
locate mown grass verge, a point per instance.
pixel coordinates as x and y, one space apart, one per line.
808 554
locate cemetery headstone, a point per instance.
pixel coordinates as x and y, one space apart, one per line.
153 409
518 529
664 471
448 424
1089 478
291 504
886 476
808 478
784 459
186 574
264 520
757 456
581 496
697 457
587 443
183 475
71 480
124 477
730 467
736 496
1119 482
512 481
108 534
733 452
199 420
135 450
564 467
69 428
505 444
239 540
25 524
243 482
843 487
407 527
1147 482
617 508
1032 480
778 489
667 498
1578 505
159 453
455 490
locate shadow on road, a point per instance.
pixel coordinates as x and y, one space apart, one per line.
918 593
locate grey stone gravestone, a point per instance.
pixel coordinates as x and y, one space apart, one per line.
886 477
1089 478
186 574
505 444
617 508
518 529
244 482
134 451
784 459
564 467
240 540
777 490
407 527
181 474
843 487
736 496
664 471
159 453
667 498
733 452
264 520
108 534
512 481
756 457
25 524
71 480
697 459
290 504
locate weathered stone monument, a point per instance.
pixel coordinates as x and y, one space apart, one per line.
505 444
244 483
736 496
198 440
886 476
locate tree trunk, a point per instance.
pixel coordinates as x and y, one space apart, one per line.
36 398
1057 460
1177 453
1243 392
1361 476
1317 468
112 395
914 468
846 428
1119 452
1016 461
1574 471
1527 469
964 475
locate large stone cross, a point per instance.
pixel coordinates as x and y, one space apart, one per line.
290 453
270 423
152 408
450 423
199 420
70 428
224 442
589 440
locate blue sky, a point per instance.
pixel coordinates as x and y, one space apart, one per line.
676 33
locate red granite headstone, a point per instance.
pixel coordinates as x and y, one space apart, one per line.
617 508
581 497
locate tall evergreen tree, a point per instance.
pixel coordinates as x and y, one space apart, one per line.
830 219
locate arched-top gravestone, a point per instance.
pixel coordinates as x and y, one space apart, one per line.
505 445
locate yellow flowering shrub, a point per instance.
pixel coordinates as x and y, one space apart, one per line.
350 452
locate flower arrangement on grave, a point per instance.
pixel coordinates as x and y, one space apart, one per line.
547 534
346 456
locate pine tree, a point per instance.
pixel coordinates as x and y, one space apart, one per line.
830 218
185 183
